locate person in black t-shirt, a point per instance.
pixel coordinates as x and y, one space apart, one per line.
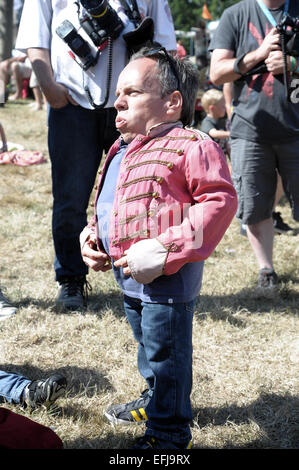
264 133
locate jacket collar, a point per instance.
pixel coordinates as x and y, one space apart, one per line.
162 127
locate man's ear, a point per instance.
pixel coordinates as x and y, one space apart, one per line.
174 104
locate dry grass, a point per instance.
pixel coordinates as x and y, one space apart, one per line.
245 392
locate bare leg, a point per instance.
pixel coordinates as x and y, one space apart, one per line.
38 98
261 238
279 191
17 75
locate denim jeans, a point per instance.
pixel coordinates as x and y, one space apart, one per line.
77 138
164 336
12 386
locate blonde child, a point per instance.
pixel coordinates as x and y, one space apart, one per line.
214 124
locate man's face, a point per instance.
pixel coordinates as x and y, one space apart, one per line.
139 104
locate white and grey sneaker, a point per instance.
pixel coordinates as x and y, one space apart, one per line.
132 412
72 293
6 308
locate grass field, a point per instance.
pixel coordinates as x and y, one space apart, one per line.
245 378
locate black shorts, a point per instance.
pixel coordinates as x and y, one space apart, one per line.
254 173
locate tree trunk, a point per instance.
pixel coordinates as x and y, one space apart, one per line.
6 28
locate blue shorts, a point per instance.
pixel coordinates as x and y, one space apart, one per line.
254 173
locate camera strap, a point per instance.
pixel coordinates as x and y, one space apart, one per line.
268 13
270 18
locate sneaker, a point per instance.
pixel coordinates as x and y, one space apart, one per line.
132 412
44 392
279 225
6 309
150 442
267 278
72 293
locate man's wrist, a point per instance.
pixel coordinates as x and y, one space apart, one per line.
237 65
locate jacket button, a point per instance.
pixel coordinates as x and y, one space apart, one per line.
170 165
155 194
180 152
160 179
193 137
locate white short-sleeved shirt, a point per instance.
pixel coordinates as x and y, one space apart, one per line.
38 30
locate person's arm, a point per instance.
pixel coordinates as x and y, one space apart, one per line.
223 60
56 94
228 98
218 133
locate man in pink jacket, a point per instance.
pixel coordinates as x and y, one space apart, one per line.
164 201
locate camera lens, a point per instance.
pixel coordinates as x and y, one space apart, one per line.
95 7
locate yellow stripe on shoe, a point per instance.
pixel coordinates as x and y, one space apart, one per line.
137 417
189 445
143 413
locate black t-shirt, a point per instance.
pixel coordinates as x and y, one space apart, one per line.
261 111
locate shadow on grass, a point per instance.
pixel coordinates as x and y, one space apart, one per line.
248 301
98 304
277 417
81 381
219 307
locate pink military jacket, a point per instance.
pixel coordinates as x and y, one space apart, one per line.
173 202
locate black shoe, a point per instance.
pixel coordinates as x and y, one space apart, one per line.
73 293
44 392
128 413
150 442
279 225
267 279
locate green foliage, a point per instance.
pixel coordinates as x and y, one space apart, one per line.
187 13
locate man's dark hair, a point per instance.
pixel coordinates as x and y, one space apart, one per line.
175 74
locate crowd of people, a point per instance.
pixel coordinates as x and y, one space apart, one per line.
167 192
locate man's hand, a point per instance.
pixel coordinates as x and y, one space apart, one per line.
58 96
96 260
275 63
269 44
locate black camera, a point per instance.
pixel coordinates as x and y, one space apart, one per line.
76 43
289 28
101 21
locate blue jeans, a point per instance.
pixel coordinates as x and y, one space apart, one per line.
77 138
12 386
164 336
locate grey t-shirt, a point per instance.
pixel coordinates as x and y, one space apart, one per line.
261 110
210 123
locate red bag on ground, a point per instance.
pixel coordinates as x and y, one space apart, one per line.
19 432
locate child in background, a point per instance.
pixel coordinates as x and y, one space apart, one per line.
214 124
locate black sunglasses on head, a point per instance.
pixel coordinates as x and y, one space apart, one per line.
163 53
